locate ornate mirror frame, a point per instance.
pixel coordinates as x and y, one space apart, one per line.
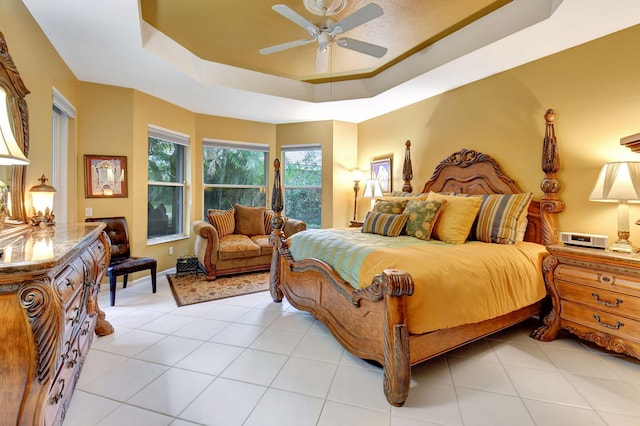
12 84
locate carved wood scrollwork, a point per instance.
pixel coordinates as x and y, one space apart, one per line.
551 322
551 203
43 307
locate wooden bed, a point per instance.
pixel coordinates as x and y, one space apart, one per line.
371 322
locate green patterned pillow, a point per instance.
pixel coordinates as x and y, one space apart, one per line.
421 217
389 225
389 207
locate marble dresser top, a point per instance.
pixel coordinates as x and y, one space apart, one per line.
33 248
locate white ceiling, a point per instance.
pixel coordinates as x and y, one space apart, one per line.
107 42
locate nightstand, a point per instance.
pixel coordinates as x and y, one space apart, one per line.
596 296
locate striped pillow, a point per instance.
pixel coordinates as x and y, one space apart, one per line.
268 215
223 220
499 217
389 225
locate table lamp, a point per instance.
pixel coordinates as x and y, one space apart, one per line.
619 182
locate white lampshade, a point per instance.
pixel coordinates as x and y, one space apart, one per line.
10 152
357 175
372 189
618 182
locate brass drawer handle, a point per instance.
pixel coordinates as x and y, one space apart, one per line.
602 302
604 324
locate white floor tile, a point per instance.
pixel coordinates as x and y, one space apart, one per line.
255 367
433 370
484 408
320 347
225 312
306 376
97 364
127 415
238 334
523 355
210 358
128 344
277 340
283 408
167 324
547 413
294 321
358 386
169 350
543 385
483 375
78 413
608 395
201 328
337 414
224 402
431 402
172 391
125 380
583 363
261 317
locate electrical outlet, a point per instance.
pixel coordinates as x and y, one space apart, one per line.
170 250
88 212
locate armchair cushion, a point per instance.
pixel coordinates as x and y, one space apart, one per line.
249 220
223 220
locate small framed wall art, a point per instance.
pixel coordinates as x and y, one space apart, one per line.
382 169
105 176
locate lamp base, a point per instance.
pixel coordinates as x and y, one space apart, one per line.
623 246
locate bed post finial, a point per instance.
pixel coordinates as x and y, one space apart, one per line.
407 170
551 203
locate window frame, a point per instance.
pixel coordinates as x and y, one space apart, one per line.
297 148
177 138
247 146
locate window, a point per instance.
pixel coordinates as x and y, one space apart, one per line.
302 170
166 183
234 173
62 112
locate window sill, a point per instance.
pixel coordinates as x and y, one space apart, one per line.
166 239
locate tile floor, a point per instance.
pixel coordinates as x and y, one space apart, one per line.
249 361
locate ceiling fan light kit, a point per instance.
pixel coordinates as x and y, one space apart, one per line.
326 31
325 7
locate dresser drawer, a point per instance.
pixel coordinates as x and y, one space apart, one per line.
69 281
598 298
601 321
600 279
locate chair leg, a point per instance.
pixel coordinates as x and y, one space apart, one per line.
125 279
153 279
112 289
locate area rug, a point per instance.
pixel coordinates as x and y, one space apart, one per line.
192 288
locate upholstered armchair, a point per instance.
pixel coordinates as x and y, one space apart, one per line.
237 240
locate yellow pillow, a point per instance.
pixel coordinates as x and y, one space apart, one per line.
455 222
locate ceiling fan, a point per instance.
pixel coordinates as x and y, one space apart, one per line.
326 31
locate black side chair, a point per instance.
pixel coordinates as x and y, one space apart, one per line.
122 263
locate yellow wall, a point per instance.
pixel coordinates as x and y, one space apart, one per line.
595 91
41 69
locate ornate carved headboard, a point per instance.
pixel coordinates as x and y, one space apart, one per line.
472 172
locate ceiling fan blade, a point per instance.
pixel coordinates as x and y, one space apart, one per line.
357 18
284 46
296 18
362 47
322 59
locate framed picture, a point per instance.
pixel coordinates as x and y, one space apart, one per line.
105 176
382 169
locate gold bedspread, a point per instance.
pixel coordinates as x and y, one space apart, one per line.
454 284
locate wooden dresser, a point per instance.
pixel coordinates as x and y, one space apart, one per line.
596 296
49 283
